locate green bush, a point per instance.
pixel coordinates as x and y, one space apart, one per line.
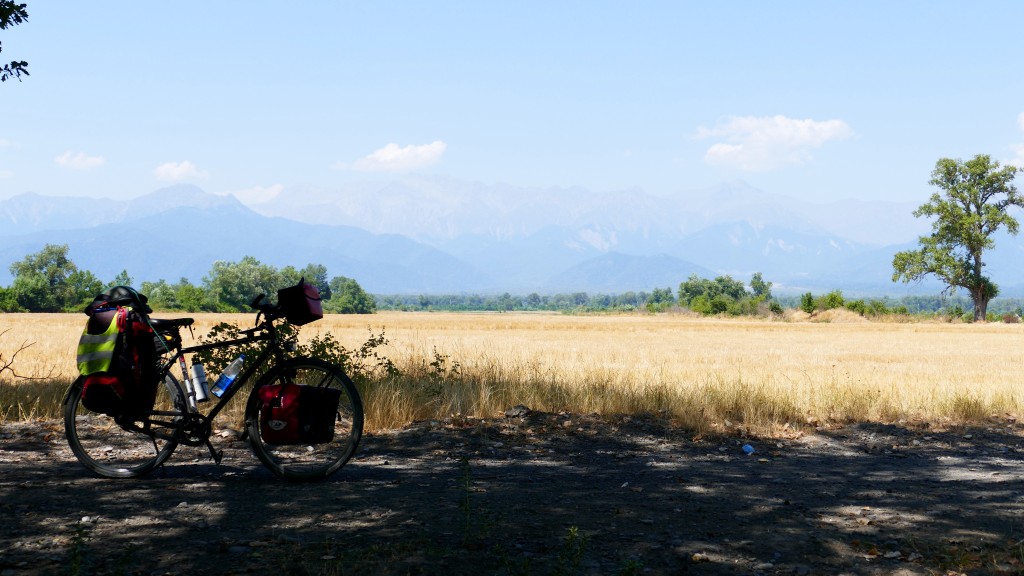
857 306
807 303
832 300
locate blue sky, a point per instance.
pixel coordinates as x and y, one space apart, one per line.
817 100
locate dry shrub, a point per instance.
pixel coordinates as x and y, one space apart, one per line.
839 316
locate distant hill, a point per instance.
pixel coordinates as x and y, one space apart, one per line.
440 235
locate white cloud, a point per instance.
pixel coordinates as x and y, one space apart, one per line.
177 171
78 161
763 143
392 158
259 194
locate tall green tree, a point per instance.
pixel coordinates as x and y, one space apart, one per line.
315 274
12 14
123 278
348 297
235 284
83 286
759 287
970 207
661 298
48 281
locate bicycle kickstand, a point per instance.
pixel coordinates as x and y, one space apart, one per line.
215 454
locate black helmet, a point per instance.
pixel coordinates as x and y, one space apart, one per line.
120 296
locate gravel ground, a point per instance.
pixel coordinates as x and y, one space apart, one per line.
535 494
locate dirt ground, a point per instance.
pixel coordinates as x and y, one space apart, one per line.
534 494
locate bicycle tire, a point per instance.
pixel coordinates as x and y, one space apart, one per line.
109 450
308 462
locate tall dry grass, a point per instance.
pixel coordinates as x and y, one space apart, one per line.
707 374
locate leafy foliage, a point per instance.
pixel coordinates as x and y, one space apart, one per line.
348 297
216 359
48 281
971 208
660 299
724 295
236 284
363 363
12 14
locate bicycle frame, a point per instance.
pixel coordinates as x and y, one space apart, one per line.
192 415
272 349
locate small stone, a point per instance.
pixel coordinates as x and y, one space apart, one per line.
517 411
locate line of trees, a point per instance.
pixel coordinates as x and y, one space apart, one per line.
49 281
719 296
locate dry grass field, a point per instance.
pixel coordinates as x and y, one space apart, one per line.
707 374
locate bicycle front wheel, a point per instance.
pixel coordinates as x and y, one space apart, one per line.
111 450
307 460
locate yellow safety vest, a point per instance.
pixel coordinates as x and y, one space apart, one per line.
96 351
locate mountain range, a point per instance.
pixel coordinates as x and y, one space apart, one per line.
441 235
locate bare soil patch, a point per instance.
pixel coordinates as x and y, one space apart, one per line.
534 494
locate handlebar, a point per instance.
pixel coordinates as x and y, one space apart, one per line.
269 311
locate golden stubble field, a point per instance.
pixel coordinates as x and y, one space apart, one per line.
705 373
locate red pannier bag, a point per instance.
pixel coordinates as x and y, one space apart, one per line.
300 303
298 414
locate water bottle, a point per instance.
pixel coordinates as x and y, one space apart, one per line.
227 377
199 386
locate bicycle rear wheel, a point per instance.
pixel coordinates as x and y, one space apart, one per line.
111 450
307 461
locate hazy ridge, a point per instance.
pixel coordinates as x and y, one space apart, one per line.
434 235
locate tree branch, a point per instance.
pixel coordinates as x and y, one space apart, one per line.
7 365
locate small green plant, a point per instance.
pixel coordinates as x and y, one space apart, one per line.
124 561
442 367
477 523
570 557
631 568
77 551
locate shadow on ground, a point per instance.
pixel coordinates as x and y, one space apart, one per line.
542 494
